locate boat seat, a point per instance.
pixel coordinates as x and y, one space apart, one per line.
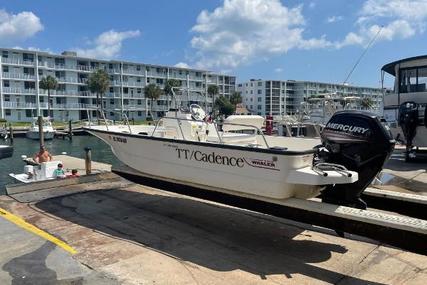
235 138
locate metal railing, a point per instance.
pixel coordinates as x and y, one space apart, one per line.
126 120
220 138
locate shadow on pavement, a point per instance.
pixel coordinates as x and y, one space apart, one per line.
212 236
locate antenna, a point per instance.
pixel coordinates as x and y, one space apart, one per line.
363 53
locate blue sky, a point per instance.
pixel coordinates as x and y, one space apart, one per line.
317 40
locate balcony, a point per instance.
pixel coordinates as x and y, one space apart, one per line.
17 61
15 90
23 105
23 76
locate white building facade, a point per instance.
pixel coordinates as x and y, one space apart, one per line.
281 97
21 98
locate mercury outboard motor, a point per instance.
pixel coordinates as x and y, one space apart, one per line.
358 141
408 121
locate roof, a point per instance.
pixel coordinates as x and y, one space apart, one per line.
389 68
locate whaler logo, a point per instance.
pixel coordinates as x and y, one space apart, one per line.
261 163
347 128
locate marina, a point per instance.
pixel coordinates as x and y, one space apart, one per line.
250 142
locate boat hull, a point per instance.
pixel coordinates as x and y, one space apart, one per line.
6 151
35 135
213 166
420 140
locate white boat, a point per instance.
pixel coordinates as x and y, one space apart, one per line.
405 109
35 173
6 151
183 148
48 130
292 126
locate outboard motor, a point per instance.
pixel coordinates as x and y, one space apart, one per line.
358 141
408 121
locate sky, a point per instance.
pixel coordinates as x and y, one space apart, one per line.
316 40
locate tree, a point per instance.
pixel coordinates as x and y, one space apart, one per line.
213 90
98 83
224 106
235 99
367 103
152 92
48 83
170 83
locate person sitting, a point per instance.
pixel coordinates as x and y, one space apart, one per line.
59 172
74 173
43 155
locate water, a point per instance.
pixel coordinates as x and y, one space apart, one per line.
101 152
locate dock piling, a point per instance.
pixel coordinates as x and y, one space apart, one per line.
41 134
88 160
11 133
70 130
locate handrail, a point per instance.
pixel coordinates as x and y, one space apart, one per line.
258 131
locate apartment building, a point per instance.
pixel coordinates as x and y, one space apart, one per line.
280 97
21 98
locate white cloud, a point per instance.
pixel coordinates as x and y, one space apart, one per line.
400 19
182 65
18 27
278 70
240 31
107 45
333 19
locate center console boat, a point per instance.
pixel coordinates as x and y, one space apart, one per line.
238 159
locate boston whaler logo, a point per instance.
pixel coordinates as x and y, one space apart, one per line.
216 158
347 128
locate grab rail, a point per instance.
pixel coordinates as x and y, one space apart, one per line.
123 116
220 138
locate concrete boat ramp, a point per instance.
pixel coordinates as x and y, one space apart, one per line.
103 229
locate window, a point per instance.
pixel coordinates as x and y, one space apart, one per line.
259 91
5 54
413 80
5 68
41 99
139 102
111 90
422 79
126 90
138 67
28 113
6 83
259 107
251 107
252 99
7 98
41 72
139 113
252 92
138 79
259 99
139 90
111 101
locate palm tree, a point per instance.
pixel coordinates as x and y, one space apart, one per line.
235 99
152 92
170 83
98 83
367 103
213 90
48 83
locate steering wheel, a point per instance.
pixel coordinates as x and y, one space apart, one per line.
197 113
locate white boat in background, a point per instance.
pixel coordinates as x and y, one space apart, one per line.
186 149
405 109
48 130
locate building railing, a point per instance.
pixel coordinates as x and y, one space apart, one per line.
13 60
8 75
15 90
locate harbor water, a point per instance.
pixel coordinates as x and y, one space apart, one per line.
101 152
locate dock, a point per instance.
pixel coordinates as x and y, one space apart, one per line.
104 229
